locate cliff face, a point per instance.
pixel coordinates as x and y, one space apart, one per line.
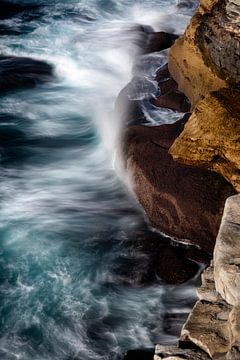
211 137
207 57
205 62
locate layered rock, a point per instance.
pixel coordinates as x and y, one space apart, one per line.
214 323
207 57
211 137
182 201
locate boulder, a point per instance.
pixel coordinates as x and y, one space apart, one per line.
21 72
211 137
184 202
158 41
206 58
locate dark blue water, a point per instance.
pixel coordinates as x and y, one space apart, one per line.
74 277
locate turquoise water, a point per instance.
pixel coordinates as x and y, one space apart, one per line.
72 280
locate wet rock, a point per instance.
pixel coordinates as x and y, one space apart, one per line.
163 74
21 72
171 193
211 136
173 100
128 111
159 41
139 355
182 269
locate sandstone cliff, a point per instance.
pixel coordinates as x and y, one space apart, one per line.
207 57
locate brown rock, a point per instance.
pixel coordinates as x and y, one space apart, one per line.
163 74
173 100
189 65
182 201
182 269
159 41
211 137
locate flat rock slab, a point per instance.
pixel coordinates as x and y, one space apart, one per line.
175 353
182 201
211 137
207 327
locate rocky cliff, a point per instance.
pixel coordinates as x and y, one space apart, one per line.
173 172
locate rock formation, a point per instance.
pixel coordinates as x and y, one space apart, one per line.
207 57
211 137
213 326
182 201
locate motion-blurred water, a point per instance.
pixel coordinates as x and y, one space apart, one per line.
70 275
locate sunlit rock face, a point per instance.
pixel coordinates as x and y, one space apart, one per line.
207 56
211 136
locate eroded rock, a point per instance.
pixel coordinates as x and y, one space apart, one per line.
176 353
207 58
227 253
182 201
207 327
211 137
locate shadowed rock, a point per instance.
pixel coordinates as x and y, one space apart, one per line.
173 100
139 355
20 72
182 201
159 41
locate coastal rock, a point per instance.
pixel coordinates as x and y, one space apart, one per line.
206 58
176 353
158 41
174 100
182 269
21 72
207 327
171 193
207 291
211 137
227 253
139 355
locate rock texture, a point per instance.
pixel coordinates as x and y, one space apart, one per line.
182 201
175 353
214 323
227 254
207 57
211 137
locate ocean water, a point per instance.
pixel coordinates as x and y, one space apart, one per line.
73 272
